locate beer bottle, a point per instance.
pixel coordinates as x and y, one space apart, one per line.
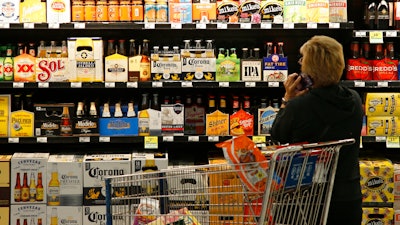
200 110
32 188
211 104
32 221
233 54
25 221
31 50
64 49
280 49
221 54
132 48
396 14
144 117
382 15
155 103
28 103
42 52
17 189
235 104
354 48
379 51
80 113
131 110
25 189
145 62
20 49
245 53
53 189
222 104
53 49
18 222
366 50
256 53
8 65
118 110
269 49
54 216
390 50
16 103
93 110
39 189
121 47
106 111
247 104
110 47
65 125
39 221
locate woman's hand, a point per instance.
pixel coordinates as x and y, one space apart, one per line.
291 87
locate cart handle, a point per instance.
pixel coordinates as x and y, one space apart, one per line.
329 143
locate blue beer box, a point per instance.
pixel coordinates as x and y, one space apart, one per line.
295 168
123 126
275 68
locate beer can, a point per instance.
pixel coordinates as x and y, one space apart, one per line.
113 10
102 11
137 11
77 11
125 8
90 11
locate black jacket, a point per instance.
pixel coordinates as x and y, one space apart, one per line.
325 114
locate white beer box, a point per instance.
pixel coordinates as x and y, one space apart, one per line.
70 176
10 11
58 11
31 212
96 215
30 164
96 168
140 159
66 215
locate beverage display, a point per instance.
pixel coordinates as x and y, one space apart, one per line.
53 190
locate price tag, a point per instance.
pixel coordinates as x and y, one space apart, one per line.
391 33
361 34
168 138
223 84
266 25
5 25
288 25
29 25
250 84
18 85
151 142
193 138
213 138
41 140
383 84
259 139
273 84
245 26
84 139
393 142
187 84
359 84
157 84
132 84
43 85
104 139
311 25
376 37
176 26
380 138
334 25
109 84
222 26
13 140
149 25
54 25
201 25
79 25
76 84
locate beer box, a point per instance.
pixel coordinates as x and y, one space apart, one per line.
241 122
58 11
24 68
266 117
376 181
204 11
338 11
48 118
271 11
124 126
217 124
396 216
32 11
85 55
249 11
227 11
154 122
375 215
28 166
275 68
10 9
396 192
180 12
359 69
202 68
228 69
71 215
67 169
22 124
317 11
5 191
116 68
172 119
251 69
166 66
97 215
385 69
5 109
134 68
5 215
31 212
383 126
294 11
86 126
96 168
53 70
143 160
195 119
382 104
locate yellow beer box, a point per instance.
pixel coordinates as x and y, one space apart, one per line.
22 124
24 68
396 192
116 68
58 11
32 11
5 108
317 11
382 104
376 181
374 215
383 125
5 161
217 123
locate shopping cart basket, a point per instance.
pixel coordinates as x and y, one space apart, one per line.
297 191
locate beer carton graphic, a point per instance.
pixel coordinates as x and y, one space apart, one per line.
71 215
28 214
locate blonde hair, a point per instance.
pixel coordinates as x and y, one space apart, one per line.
323 60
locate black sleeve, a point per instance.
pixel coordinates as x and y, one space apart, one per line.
282 126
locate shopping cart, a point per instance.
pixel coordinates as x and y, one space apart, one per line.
297 191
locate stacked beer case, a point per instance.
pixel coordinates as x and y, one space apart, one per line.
5 161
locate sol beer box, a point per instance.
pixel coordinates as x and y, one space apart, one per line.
64 215
5 163
28 177
376 181
96 168
374 215
65 180
28 214
382 104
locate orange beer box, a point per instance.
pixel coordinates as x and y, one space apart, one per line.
383 126
382 104
374 215
377 181
24 68
204 11
217 124
241 122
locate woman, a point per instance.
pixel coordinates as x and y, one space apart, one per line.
325 111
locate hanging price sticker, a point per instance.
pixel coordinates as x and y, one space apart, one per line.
18 85
79 25
54 25
361 34
168 138
156 84
393 142
266 25
201 25
359 84
193 138
288 25
5 25
376 37
213 138
104 139
391 33
76 84
334 25
273 84
149 25
109 84
41 140
13 140
84 139
151 142
383 84
222 26
311 25
245 26
132 84
176 26
29 25
43 85
223 84
187 84
250 84
380 138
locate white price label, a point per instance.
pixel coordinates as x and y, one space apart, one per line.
193 138
5 25
157 84
149 25
18 85
213 138
104 139
43 85
109 84
168 138
76 84
273 84
54 25
288 25
266 25
187 84
383 84
84 139
359 84
245 26
250 84
380 138
334 25
391 33
176 26
29 25
13 140
41 140
132 84
222 26
361 33
79 25
201 25
311 25
223 84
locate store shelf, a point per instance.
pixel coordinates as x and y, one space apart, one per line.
371 83
366 33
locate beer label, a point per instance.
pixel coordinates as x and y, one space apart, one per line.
249 12
217 123
25 70
227 11
294 11
317 11
272 11
52 70
116 68
33 12
338 11
359 69
145 71
241 123
22 124
377 215
385 69
251 70
266 117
